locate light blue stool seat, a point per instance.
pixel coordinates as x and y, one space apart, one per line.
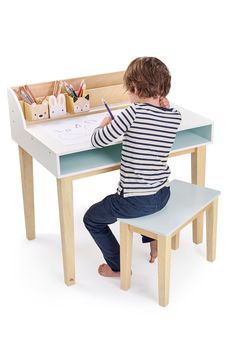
187 201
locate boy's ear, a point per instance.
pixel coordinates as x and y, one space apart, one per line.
87 97
135 91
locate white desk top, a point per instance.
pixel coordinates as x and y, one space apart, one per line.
53 133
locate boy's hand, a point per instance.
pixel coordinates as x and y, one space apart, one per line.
105 121
164 102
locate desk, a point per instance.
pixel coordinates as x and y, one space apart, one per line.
68 162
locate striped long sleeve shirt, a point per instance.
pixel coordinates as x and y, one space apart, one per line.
148 135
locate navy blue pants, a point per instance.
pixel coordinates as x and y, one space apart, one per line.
114 206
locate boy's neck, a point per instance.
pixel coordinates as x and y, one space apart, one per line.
153 101
136 99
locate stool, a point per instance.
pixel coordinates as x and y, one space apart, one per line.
187 202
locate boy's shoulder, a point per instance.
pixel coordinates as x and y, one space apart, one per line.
155 108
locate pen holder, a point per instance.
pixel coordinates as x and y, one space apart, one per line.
36 111
80 106
57 105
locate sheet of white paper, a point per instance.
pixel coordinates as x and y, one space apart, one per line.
77 130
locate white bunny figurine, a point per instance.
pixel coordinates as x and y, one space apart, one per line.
57 105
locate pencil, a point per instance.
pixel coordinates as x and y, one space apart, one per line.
28 91
83 89
59 87
80 88
107 107
25 95
55 88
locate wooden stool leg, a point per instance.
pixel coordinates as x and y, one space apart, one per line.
211 230
26 168
65 199
126 237
198 229
164 254
175 241
198 167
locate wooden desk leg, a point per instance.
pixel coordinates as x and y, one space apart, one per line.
198 168
26 168
65 199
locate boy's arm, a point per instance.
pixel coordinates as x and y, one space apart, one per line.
107 133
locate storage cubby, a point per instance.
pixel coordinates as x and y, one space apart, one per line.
80 106
90 159
57 106
193 137
96 158
36 111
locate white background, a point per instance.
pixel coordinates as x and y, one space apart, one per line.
40 317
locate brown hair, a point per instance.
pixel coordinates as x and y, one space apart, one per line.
149 76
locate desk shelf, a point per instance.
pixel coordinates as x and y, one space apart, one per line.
90 160
98 158
192 137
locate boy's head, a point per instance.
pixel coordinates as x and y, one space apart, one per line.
147 77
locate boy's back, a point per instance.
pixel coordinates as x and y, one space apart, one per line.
149 133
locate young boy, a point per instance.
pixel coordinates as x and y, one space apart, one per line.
149 128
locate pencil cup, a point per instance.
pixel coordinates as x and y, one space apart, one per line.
80 106
36 111
57 105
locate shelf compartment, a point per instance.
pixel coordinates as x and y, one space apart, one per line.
97 158
190 138
90 159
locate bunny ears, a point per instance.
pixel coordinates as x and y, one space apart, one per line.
57 105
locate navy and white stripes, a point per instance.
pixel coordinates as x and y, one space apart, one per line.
148 135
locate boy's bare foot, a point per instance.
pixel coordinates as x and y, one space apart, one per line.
153 251
105 271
